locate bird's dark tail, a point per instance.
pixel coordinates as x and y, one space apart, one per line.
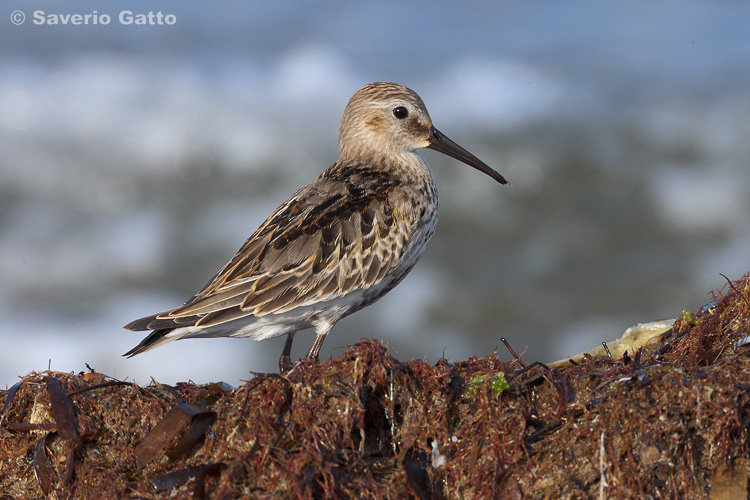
152 341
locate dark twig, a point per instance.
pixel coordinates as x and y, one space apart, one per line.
512 352
742 296
98 386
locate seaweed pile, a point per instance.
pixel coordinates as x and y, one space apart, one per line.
670 420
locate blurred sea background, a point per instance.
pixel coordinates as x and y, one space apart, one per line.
135 160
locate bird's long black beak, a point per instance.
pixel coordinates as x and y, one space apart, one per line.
440 142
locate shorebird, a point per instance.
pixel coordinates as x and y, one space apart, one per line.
338 244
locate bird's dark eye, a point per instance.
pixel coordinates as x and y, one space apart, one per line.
400 112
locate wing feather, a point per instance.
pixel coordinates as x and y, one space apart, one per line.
221 316
331 237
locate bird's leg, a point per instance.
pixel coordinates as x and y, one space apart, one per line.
321 330
285 361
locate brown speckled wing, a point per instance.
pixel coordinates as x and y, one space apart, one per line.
341 232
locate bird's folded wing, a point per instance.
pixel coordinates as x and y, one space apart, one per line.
317 246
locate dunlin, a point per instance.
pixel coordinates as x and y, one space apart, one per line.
338 244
